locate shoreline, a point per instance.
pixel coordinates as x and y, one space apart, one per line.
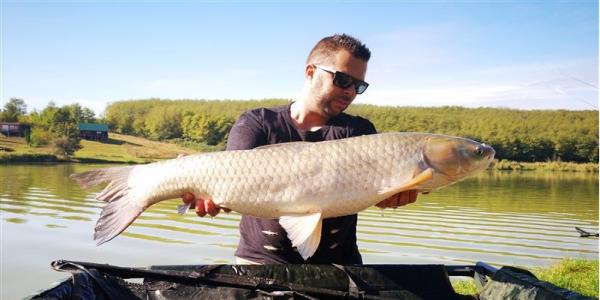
547 166
29 158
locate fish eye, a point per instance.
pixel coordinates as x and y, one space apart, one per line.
478 151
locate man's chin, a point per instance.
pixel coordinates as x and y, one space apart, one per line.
333 112
333 108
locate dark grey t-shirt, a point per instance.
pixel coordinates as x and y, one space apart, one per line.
264 240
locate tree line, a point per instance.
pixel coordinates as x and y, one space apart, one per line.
200 121
521 135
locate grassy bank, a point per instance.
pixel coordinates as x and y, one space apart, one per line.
119 149
578 275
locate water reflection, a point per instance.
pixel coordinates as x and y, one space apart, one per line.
503 218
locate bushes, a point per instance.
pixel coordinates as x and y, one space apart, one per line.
66 146
39 137
206 129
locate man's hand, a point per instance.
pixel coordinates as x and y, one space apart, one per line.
202 206
399 199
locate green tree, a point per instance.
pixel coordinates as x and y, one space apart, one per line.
14 108
206 129
81 114
88 116
57 125
164 123
66 146
65 122
65 127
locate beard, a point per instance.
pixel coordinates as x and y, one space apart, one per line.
332 107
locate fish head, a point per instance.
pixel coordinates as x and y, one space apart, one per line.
454 158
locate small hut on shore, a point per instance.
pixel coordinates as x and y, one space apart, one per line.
94 132
14 129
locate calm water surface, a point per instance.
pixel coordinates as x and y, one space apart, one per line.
521 219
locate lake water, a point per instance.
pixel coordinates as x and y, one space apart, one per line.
502 218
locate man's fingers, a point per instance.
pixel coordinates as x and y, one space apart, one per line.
211 208
413 196
200 208
187 197
389 202
403 198
399 199
381 204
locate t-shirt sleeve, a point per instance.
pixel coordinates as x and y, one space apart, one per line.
246 133
363 127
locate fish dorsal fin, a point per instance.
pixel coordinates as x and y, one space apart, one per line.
304 231
290 144
410 185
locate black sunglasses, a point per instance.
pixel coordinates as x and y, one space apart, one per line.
344 80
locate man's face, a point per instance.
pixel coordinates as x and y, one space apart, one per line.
328 99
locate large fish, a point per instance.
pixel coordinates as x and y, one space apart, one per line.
300 183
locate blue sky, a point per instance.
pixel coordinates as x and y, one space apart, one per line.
517 54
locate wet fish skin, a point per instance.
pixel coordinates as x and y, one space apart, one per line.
300 183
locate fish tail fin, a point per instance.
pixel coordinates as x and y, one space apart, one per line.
117 177
123 206
116 216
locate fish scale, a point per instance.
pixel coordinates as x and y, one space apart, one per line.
300 183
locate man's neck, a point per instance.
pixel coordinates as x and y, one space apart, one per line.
305 119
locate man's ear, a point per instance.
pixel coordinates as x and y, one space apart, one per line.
309 71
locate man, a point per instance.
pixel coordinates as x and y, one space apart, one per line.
334 74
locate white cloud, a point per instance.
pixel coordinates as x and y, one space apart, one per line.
440 96
514 96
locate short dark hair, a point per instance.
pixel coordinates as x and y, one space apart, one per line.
323 50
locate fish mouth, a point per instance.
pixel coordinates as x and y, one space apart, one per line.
487 152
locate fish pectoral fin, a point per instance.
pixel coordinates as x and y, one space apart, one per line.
182 209
304 231
410 185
